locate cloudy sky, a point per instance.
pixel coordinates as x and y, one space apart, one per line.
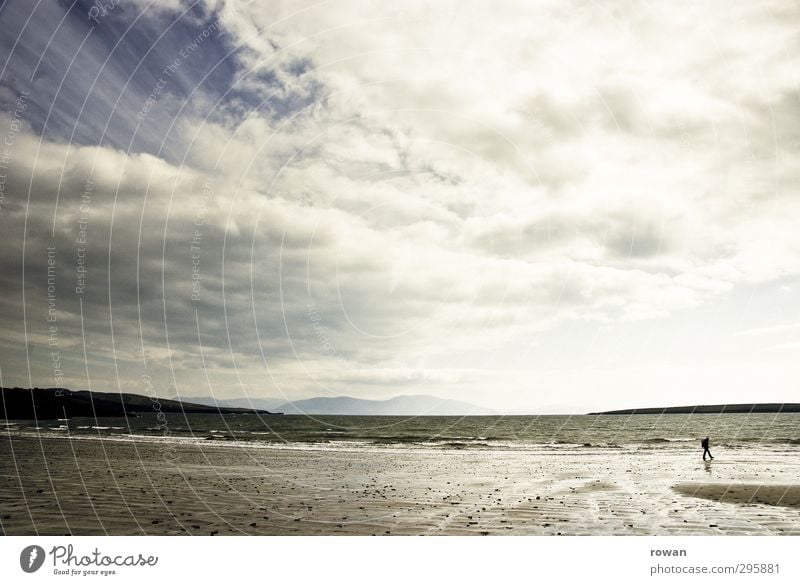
548 208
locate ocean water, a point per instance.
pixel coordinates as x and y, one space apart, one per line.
734 431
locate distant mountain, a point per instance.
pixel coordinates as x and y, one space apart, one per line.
416 405
266 403
713 409
50 403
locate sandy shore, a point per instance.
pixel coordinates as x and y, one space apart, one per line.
89 486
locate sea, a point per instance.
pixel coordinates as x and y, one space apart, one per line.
673 431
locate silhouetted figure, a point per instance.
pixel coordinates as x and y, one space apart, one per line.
704 445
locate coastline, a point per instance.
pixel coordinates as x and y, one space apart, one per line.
96 486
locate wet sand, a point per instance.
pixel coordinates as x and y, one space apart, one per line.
744 493
91 486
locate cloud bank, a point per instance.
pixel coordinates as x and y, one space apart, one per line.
518 206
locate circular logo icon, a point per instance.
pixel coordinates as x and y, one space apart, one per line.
31 558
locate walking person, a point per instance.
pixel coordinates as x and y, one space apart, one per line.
704 444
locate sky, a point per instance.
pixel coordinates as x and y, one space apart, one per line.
548 207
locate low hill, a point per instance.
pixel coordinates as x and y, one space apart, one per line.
754 408
51 403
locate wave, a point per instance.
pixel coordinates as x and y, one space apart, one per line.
99 428
463 445
326 438
430 439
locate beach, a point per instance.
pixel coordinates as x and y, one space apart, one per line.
94 486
